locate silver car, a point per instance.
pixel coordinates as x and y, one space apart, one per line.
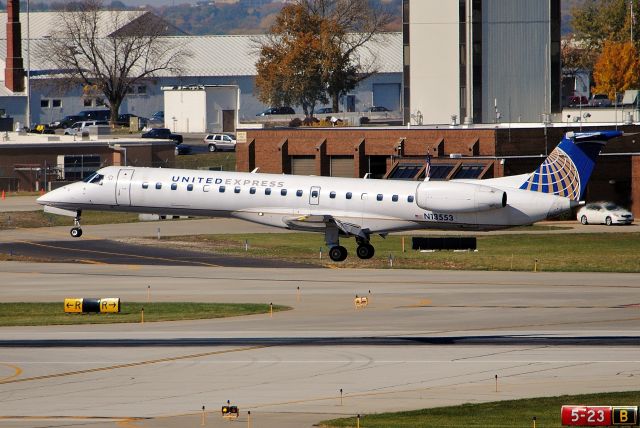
220 142
604 213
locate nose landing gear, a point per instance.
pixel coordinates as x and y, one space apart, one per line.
76 230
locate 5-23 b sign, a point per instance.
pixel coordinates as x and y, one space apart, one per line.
594 416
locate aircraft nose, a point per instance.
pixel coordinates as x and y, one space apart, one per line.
50 198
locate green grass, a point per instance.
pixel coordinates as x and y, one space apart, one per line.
503 414
52 313
598 252
28 219
226 160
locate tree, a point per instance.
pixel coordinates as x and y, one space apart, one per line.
320 45
617 68
108 51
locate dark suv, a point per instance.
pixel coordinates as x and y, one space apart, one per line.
277 110
163 134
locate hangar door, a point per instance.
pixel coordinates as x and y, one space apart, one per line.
342 166
387 95
303 165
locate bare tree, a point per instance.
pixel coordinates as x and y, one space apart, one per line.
109 51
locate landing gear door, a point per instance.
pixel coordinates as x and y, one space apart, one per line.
314 195
123 187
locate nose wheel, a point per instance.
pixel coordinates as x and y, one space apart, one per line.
76 230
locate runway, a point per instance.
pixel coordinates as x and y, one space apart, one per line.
428 338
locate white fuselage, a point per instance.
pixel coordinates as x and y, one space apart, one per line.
378 206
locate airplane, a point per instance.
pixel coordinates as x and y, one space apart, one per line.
342 207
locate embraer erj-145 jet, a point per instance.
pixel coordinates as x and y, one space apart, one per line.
342 206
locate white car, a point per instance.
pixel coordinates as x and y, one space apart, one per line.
220 142
604 213
80 127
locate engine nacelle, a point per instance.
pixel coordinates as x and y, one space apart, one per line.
455 197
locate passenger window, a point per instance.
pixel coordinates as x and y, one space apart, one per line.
299 193
332 195
314 194
189 187
221 189
158 186
145 185
283 192
394 198
379 197
410 198
267 191
236 189
349 195
252 190
174 186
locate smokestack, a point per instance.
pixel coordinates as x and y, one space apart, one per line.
14 71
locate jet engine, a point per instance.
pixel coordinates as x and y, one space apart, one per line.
459 197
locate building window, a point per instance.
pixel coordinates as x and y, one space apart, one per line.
252 190
145 185
236 189
221 189
349 195
299 193
44 103
174 186
142 89
394 198
283 192
56 103
410 198
267 191
332 195
87 102
79 167
189 187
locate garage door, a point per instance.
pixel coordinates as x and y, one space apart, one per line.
342 166
387 95
303 165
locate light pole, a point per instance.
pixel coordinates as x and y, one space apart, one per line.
28 71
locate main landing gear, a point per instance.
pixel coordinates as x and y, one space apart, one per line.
338 253
76 230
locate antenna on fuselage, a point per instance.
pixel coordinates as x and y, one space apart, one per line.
255 170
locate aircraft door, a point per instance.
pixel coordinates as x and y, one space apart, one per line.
123 187
314 195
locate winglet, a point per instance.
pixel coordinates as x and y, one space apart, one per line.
568 168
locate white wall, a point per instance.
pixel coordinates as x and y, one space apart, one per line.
198 110
434 57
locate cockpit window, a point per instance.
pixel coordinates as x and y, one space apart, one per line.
94 178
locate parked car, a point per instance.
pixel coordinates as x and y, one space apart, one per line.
80 127
95 114
325 110
599 100
156 120
604 213
277 110
66 121
377 109
576 100
163 134
183 149
220 142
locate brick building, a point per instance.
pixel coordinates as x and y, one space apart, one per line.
456 152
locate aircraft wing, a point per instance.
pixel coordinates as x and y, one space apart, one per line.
316 222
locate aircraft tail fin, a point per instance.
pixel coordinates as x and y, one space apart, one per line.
566 171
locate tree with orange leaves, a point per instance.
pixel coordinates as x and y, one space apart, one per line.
617 68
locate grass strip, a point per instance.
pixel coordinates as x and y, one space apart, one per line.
556 252
30 219
502 414
52 313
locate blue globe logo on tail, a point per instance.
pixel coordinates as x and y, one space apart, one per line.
568 168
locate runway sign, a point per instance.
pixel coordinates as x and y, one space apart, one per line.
92 305
624 415
586 416
230 411
110 305
73 305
